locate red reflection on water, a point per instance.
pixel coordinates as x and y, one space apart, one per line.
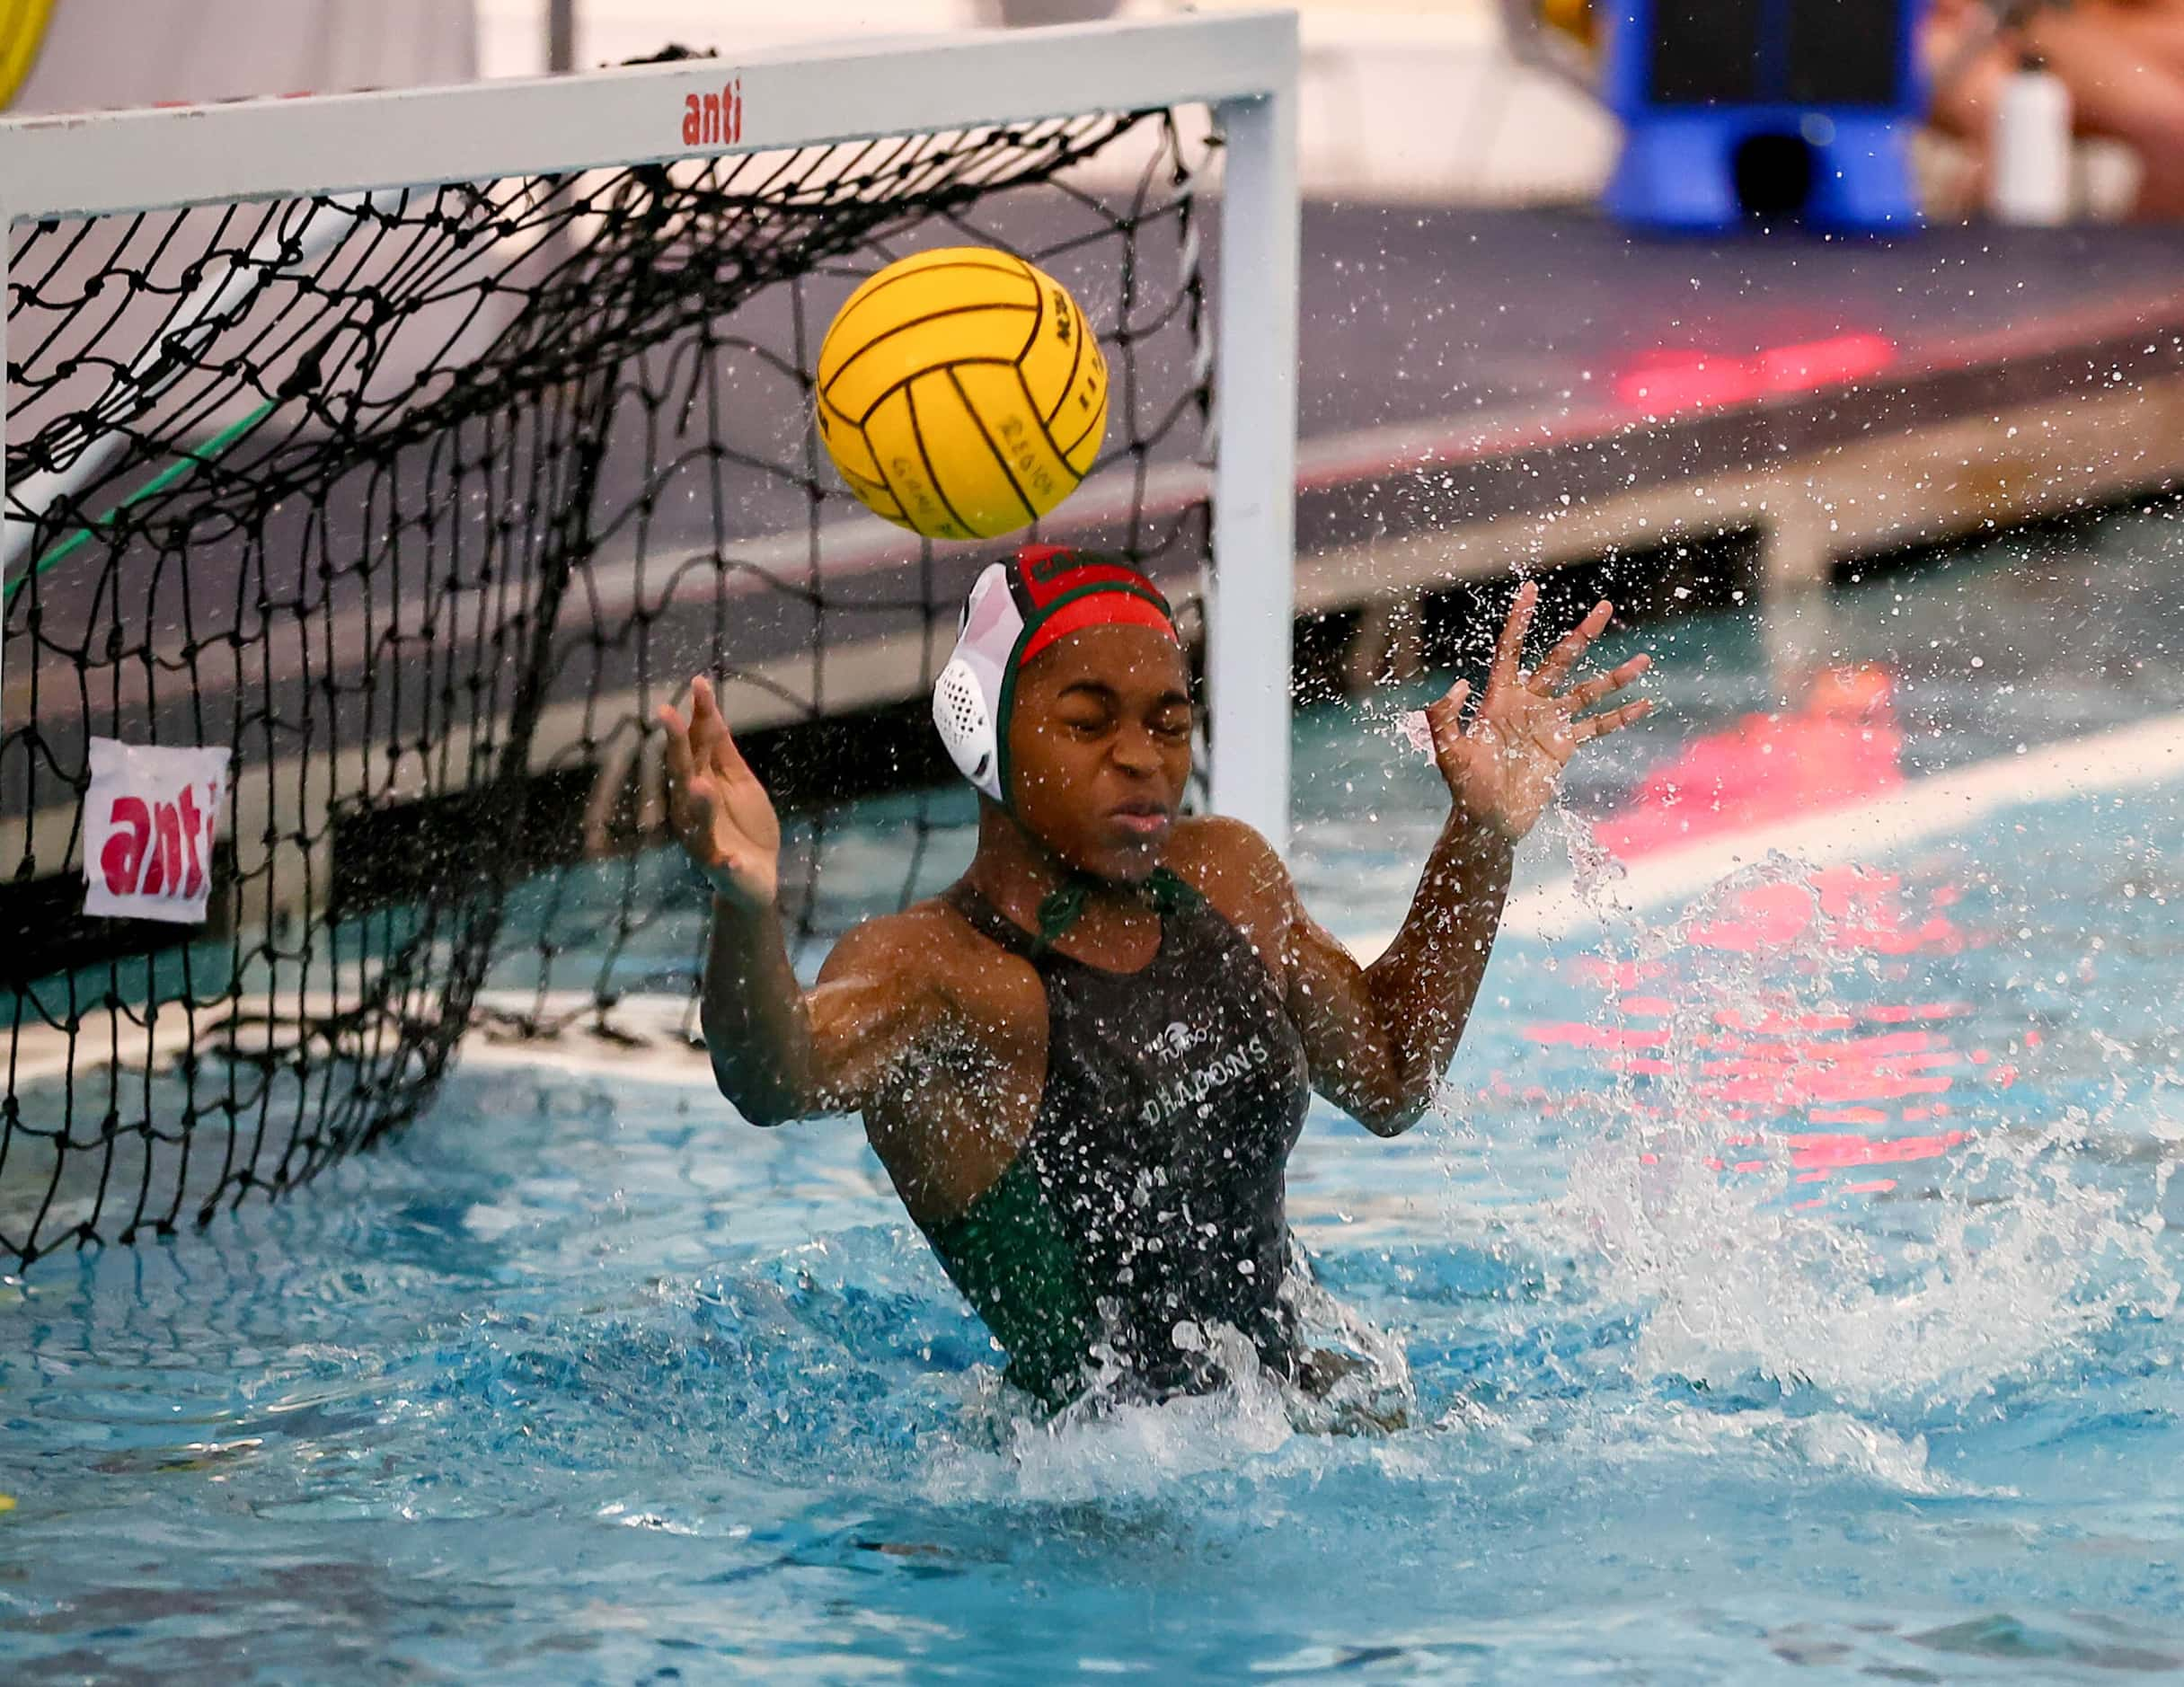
1844 746
1809 1152
1877 1075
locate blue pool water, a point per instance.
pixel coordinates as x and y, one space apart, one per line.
1784 1283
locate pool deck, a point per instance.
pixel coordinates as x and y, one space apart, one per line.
1565 391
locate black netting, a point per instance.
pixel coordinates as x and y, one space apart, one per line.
420 502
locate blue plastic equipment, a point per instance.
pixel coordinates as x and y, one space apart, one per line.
1801 108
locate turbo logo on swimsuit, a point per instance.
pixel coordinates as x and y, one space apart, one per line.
1189 1088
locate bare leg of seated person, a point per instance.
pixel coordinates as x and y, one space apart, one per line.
2154 29
2121 88
2123 64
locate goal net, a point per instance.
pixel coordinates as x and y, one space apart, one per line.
418 500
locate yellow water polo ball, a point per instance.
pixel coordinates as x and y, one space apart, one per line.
961 393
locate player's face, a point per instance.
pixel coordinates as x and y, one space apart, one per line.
1100 748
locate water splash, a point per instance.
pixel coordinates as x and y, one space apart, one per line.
1687 1204
1110 1445
1596 872
1770 1441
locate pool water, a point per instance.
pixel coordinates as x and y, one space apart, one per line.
1785 1281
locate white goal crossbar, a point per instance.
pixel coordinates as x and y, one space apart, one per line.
1242 67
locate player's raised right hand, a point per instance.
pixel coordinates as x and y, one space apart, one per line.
720 813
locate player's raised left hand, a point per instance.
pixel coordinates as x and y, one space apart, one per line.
1501 764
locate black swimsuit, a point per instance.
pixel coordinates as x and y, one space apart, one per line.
1150 1192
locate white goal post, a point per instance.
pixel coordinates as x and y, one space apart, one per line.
1242 67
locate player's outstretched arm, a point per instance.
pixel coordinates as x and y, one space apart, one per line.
779 1052
1381 1037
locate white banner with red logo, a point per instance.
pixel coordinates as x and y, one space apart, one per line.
148 830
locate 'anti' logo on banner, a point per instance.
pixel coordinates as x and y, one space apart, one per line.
149 827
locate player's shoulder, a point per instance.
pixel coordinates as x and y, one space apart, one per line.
1231 866
1220 842
925 939
932 965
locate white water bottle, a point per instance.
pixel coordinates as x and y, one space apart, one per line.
2030 162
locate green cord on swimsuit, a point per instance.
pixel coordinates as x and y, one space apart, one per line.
1060 908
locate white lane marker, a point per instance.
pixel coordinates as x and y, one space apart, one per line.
2145 754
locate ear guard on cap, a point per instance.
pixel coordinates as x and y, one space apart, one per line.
967 727
966 697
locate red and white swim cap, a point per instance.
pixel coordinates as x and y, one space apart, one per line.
1017 609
